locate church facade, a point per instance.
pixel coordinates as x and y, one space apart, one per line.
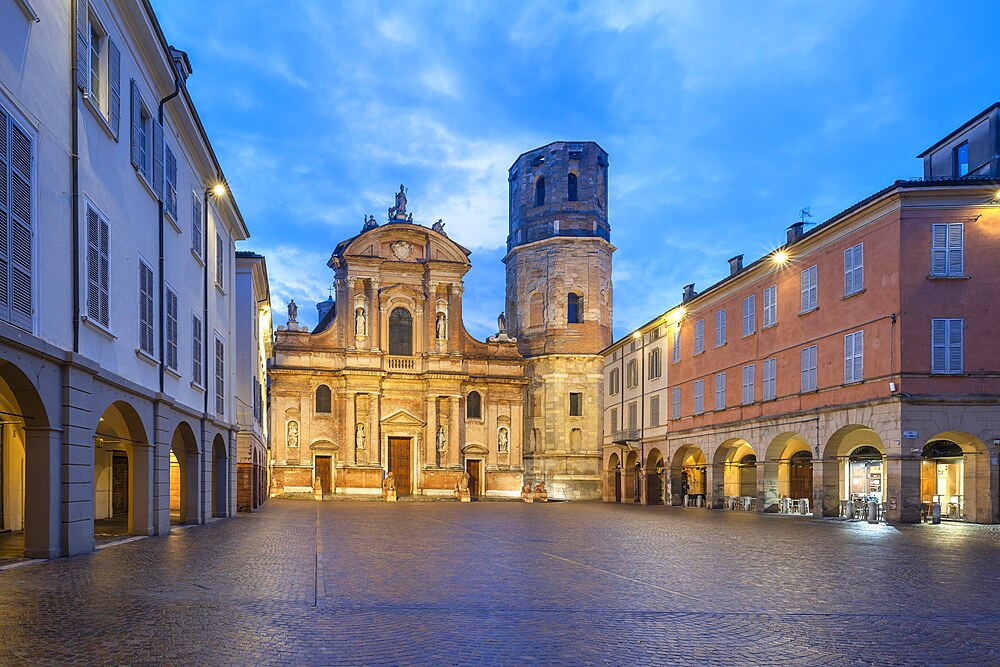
390 385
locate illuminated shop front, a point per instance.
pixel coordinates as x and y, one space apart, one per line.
865 475
942 479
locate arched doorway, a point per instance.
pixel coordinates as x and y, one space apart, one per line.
865 468
614 478
739 472
954 472
220 477
853 469
184 467
632 488
788 473
654 478
122 474
688 476
800 475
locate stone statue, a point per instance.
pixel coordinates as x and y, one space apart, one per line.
540 488
442 439
369 223
360 323
463 483
441 327
359 436
401 200
409 218
438 226
503 441
293 434
389 483
526 489
293 311
502 323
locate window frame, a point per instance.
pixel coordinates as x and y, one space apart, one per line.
147 302
675 402
220 376
720 327
948 252
952 331
655 366
675 347
577 410
956 153
699 396
197 345
170 333
478 404
699 337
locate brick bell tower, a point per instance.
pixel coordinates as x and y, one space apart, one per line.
559 307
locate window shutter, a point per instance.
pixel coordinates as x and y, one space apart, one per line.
170 189
939 346
115 86
196 224
19 257
955 345
157 158
93 265
82 48
859 267
804 290
105 274
859 356
136 109
171 329
939 250
805 369
848 271
956 250
196 370
849 358
4 218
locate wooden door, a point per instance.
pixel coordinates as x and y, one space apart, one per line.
119 484
800 481
324 469
474 468
399 464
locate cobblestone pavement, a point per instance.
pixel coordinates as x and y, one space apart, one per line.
301 582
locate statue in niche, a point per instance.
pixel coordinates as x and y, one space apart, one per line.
502 323
293 311
441 326
442 439
439 226
359 436
360 323
292 440
503 441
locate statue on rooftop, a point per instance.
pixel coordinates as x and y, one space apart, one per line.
293 311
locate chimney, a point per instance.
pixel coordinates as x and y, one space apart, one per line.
688 293
735 265
181 63
324 307
794 232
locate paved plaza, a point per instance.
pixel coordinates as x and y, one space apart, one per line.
441 583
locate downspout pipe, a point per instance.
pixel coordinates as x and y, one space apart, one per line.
162 285
75 168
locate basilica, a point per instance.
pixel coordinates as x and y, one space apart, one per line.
390 385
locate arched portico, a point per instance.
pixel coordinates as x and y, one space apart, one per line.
688 474
220 477
614 478
632 474
735 465
185 460
123 474
787 470
853 468
954 472
654 478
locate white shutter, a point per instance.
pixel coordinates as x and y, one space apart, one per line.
848 272
19 254
94 265
956 249
939 250
220 378
136 109
939 346
157 157
804 290
859 267
170 188
196 224
146 336
171 329
848 358
720 327
805 369
955 345
115 87
859 356
220 266
4 216
749 314
196 368
699 336
82 40
720 391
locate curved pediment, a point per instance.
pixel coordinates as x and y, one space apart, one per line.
403 242
323 445
475 449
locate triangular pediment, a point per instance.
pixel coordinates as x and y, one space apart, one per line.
402 418
399 289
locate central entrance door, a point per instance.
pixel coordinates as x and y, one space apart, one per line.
399 464
324 472
475 470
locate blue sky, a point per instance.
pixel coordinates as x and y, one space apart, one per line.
722 120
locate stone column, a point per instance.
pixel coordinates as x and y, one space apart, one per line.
141 475
430 322
715 478
431 419
161 471
454 315
43 482
767 486
351 429
375 317
826 487
902 489
454 441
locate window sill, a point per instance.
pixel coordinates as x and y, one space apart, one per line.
934 277
197 258
853 382
148 358
853 294
947 374
747 335
477 420
698 354
98 327
102 120
808 310
768 326
173 223
145 182
718 345
814 390
197 387
172 371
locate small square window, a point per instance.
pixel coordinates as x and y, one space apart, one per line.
575 404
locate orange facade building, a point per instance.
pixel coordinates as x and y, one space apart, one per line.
857 364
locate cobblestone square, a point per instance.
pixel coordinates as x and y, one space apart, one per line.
303 583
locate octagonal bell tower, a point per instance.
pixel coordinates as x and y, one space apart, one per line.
559 306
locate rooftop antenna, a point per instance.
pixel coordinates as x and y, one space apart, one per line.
804 213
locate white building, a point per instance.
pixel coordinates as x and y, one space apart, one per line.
117 276
254 332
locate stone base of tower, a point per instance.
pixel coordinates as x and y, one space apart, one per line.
562 428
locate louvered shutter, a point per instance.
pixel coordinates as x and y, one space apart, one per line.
171 329
956 249
196 370
939 346
848 271
4 217
849 358
196 224
859 267
82 39
136 109
94 265
157 158
115 87
20 261
939 250
170 189
143 341
105 271
955 345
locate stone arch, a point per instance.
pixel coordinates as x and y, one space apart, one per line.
655 480
735 475
539 194
631 475
837 466
957 477
688 474
784 477
614 481
185 469
123 479
574 306
572 186
220 477
28 454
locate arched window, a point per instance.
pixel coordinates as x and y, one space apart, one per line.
400 332
473 406
322 398
574 309
540 191
571 194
